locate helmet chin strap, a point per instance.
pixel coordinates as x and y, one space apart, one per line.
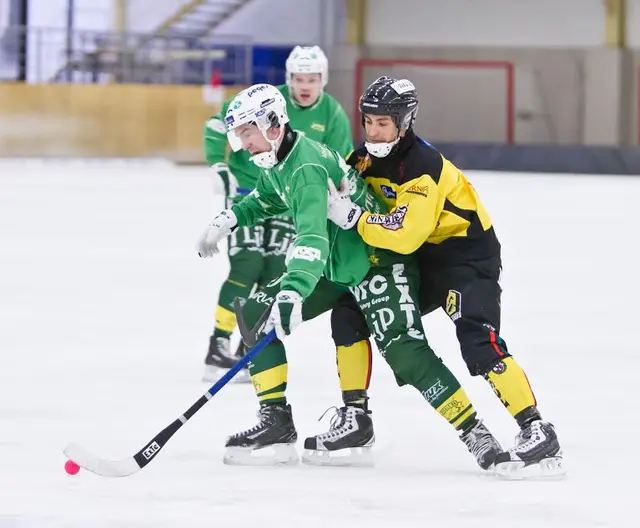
269 159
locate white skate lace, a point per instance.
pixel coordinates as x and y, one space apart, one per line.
262 415
338 423
527 438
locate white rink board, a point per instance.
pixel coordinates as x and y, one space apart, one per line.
105 313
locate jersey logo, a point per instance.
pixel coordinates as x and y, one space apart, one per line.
318 126
421 190
305 253
392 221
454 305
363 163
388 191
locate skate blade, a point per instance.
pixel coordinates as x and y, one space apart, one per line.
213 374
349 457
273 455
548 469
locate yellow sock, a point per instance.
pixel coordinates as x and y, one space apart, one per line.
270 384
225 319
457 409
354 366
511 385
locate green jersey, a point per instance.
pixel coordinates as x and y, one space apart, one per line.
299 184
325 121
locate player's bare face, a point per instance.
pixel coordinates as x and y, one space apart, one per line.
380 129
252 139
306 88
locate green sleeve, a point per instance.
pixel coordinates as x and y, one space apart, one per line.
310 251
215 138
262 202
339 136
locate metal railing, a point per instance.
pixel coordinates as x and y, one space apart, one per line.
49 55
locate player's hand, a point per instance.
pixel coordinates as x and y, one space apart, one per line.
220 227
286 314
340 209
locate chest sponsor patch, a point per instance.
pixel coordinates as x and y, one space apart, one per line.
388 191
392 221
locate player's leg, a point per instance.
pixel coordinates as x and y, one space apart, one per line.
277 235
245 263
272 440
389 299
472 301
350 335
350 436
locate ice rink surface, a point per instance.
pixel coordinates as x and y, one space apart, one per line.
105 314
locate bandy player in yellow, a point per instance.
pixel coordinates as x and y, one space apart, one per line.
435 212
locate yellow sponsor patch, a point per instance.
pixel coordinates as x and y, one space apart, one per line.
422 190
454 305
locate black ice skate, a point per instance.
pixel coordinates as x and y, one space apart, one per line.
270 442
481 444
537 453
347 443
220 359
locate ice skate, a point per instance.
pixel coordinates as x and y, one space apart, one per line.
220 359
537 454
347 443
481 444
269 443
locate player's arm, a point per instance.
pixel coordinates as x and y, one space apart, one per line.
308 255
262 202
215 138
339 136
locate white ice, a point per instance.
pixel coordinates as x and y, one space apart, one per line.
105 314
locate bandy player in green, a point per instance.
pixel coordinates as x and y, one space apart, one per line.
324 263
257 253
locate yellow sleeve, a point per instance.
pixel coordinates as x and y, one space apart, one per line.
410 222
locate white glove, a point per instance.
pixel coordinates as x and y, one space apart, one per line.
340 209
219 228
286 314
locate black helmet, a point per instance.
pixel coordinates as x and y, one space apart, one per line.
393 97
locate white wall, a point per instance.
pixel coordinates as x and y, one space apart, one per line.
269 22
264 21
89 14
4 12
633 23
147 15
537 23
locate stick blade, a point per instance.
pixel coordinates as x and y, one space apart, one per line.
99 466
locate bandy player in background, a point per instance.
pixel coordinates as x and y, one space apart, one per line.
257 253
